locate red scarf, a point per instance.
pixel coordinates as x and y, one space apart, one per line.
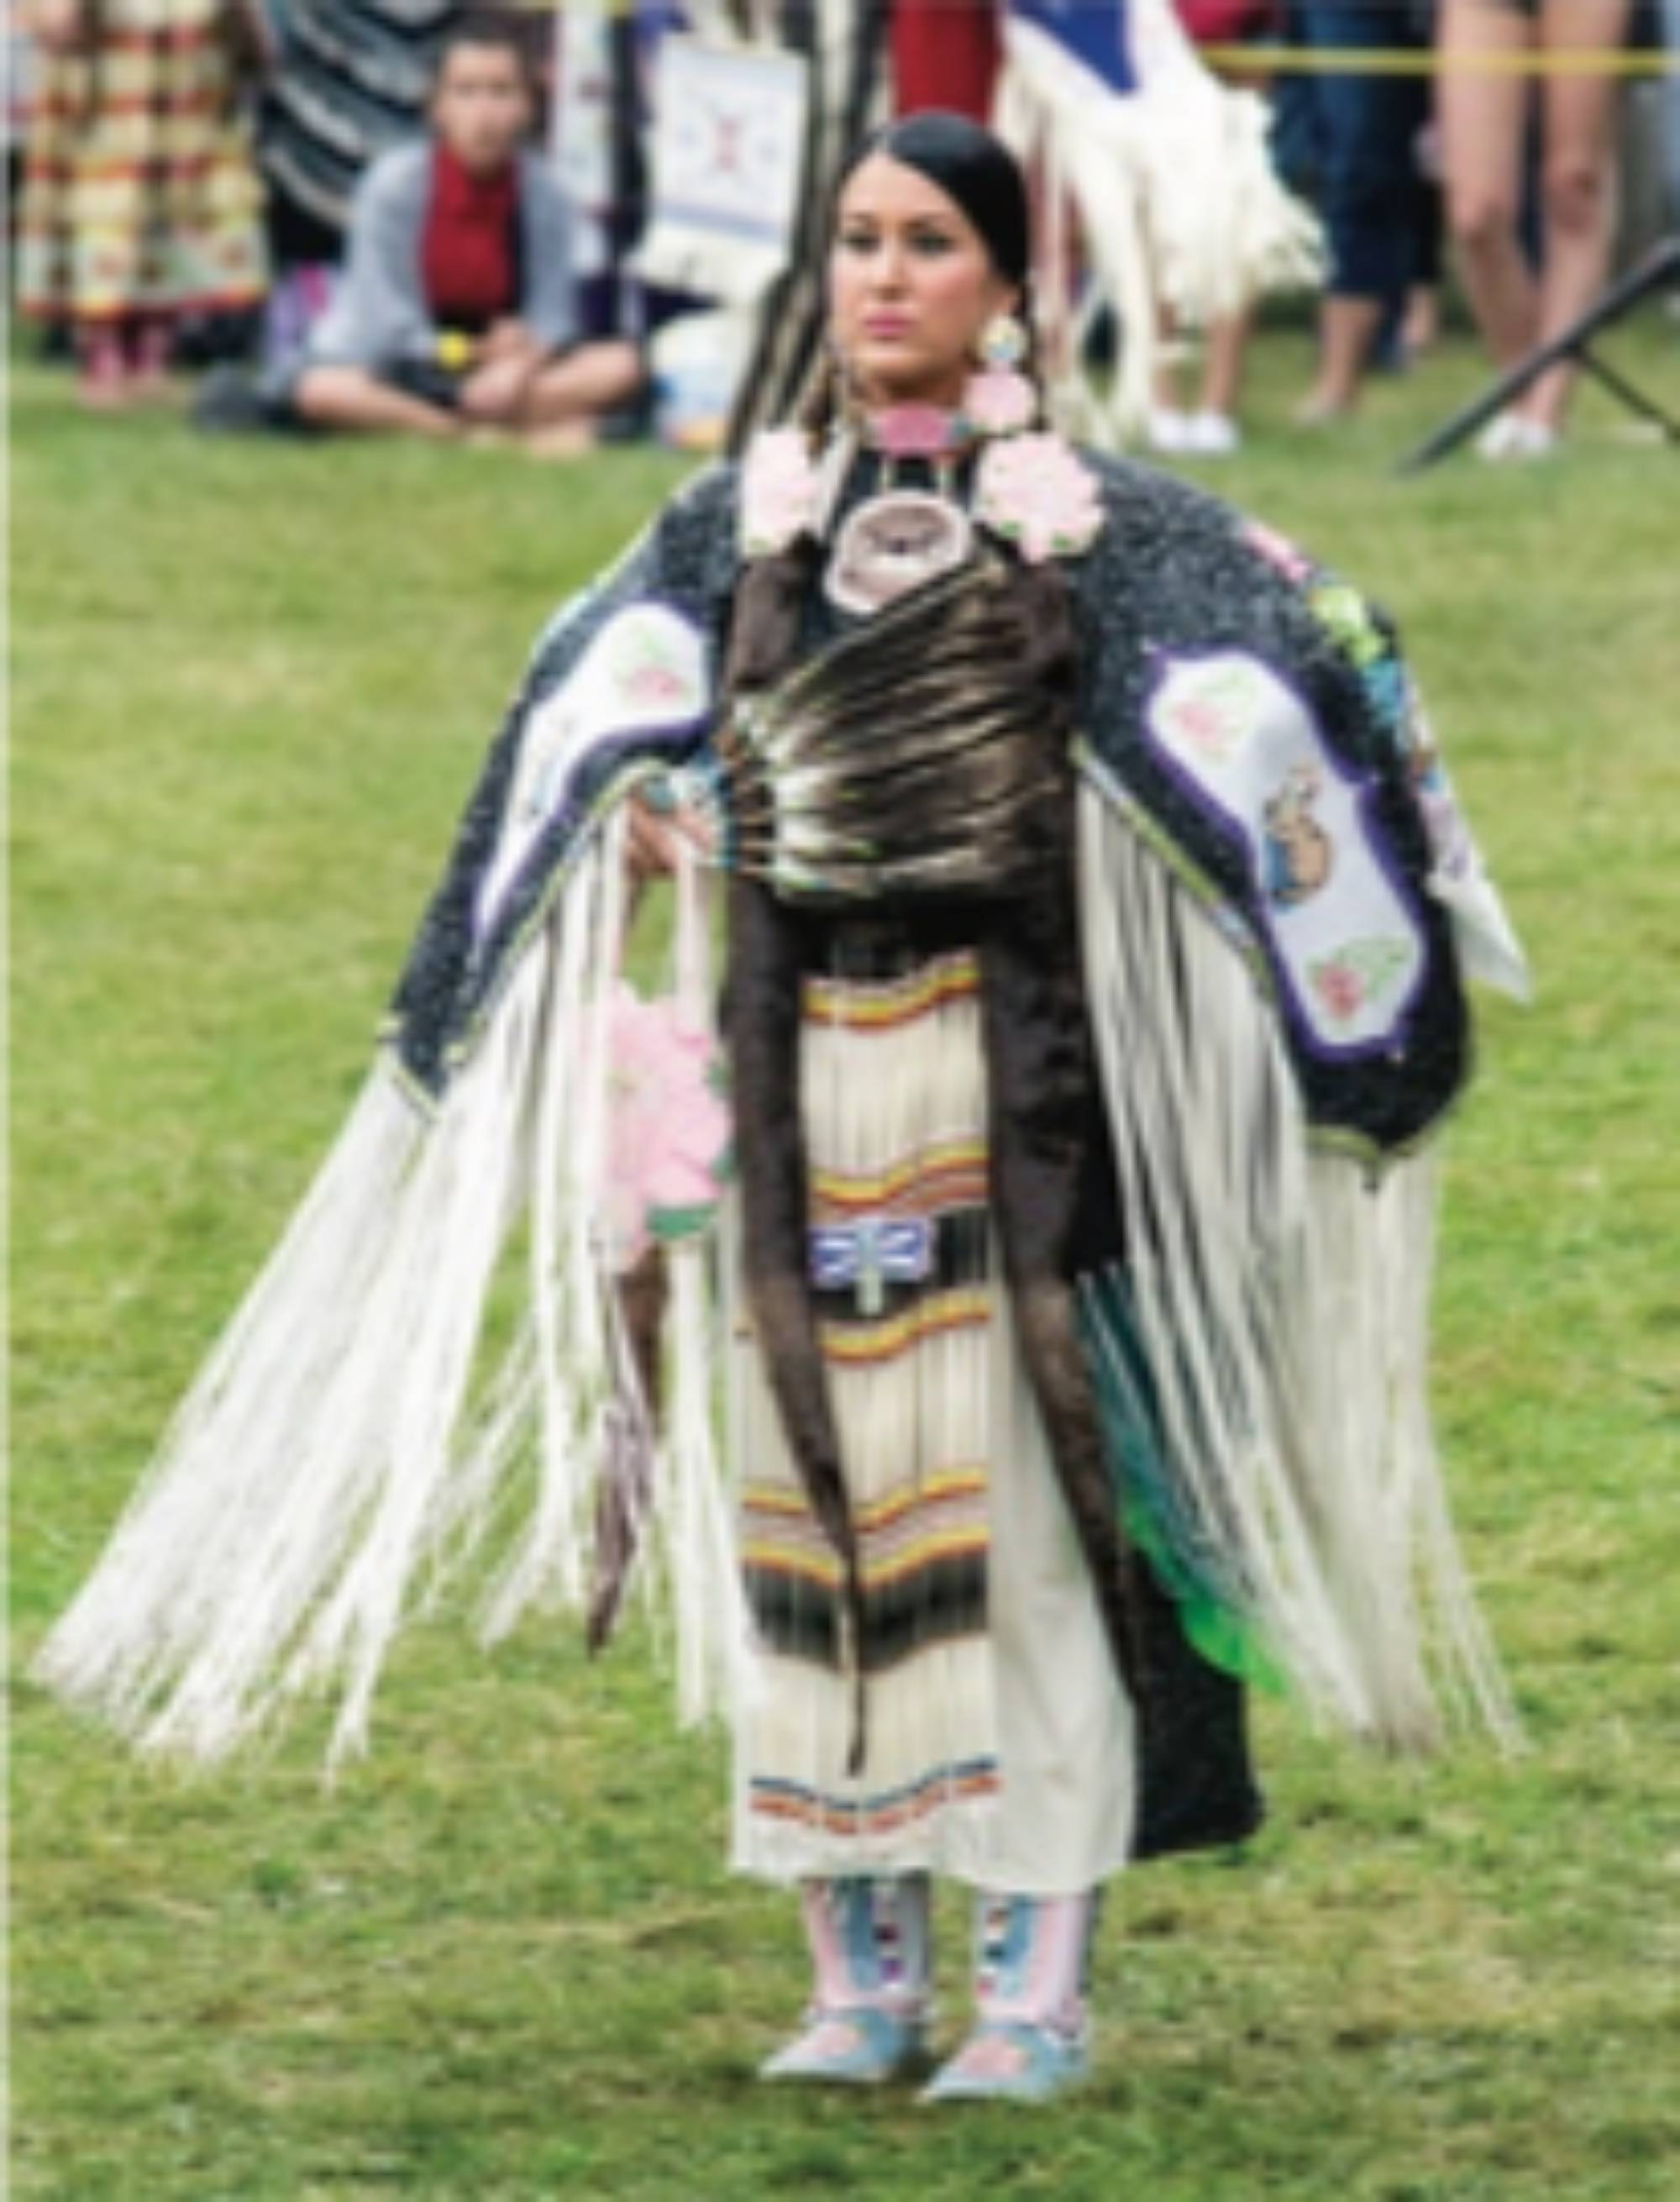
468 257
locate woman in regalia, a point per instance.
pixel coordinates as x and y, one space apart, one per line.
1097 918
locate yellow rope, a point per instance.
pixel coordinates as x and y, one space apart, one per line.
1357 60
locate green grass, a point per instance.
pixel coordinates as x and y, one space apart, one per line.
503 1958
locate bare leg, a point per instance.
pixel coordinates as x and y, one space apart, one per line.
1347 328
103 381
585 383
1164 375
1481 120
350 397
1578 187
1421 327
1169 423
152 351
1222 366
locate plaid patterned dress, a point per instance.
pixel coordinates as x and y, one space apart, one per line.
138 195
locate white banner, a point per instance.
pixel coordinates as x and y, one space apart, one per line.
728 145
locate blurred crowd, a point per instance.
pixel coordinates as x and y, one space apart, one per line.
358 212
345 206
1492 126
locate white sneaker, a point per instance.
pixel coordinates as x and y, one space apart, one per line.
1168 431
1514 436
1212 435
1500 436
1537 440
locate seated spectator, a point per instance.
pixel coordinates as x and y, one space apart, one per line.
455 311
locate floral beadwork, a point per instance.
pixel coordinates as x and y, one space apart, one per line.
999 402
779 491
655 677
1032 490
669 1154
1035 492
1285 557
1344 613
1358 974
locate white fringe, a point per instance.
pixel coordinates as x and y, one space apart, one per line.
312 1483
1174 198
1282 1293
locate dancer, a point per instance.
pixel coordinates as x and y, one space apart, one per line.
1097 912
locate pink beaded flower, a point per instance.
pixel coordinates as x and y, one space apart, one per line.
999 402
668 1145
1276 550
779 491
1033 491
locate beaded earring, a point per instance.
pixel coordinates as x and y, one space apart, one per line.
998 398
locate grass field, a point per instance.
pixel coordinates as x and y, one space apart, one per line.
503 1958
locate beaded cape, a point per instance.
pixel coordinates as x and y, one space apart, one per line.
1189 615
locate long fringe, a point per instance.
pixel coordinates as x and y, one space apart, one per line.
1281 1297
316 1482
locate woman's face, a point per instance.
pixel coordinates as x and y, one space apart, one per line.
910 287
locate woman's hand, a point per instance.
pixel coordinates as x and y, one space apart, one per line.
656 841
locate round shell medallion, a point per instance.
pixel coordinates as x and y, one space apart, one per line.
890 544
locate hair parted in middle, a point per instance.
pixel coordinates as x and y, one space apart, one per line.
982 178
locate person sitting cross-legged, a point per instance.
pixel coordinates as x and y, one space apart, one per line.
454 312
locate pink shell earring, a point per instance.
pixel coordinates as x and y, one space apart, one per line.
998 399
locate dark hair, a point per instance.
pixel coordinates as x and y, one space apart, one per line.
978 173
502 34
970 166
